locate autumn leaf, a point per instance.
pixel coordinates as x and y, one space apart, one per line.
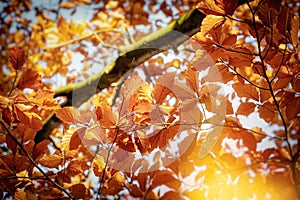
105 116
209 7
29 79
78 191
245 90
267 111
24 116
67 115
165 177
51 161
115 184
228 6
20 194
295 30
209 22
17 57
76 138
182 91
210 142
66 5
246 108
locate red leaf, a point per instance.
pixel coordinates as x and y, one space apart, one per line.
78 191
228 6
17 57
29 79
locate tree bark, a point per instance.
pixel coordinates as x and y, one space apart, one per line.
166 38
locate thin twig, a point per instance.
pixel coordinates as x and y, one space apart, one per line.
33 162
235 51
106 163
251 83
290 149
14 82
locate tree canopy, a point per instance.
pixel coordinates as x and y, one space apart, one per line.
150 99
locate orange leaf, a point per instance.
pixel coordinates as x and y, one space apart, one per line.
51 161
165 177
211 21
182 91
30 79
246 108
76 138
210 7
67 115
115 184
245 90
31 119
17 57
20 194
283 81
78 191
191 76
267 111
160 92
105 116
66 5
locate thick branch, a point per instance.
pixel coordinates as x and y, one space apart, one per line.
171 37
130 57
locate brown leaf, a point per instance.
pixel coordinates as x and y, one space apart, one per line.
76 138
30 79
78 191
295 30
245 90
246 108
105 116
228 6
267 111
67 115
115 184
51 161
31 119
17 57
165 177
182 91
210 7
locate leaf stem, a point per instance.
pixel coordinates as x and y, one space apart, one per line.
14 82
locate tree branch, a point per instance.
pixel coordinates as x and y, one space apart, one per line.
33 162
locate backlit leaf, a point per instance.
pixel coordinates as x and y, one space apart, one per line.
30 79
17 57
246 108
51 161
66 5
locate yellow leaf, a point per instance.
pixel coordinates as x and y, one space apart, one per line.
209 22
66 5
20 194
